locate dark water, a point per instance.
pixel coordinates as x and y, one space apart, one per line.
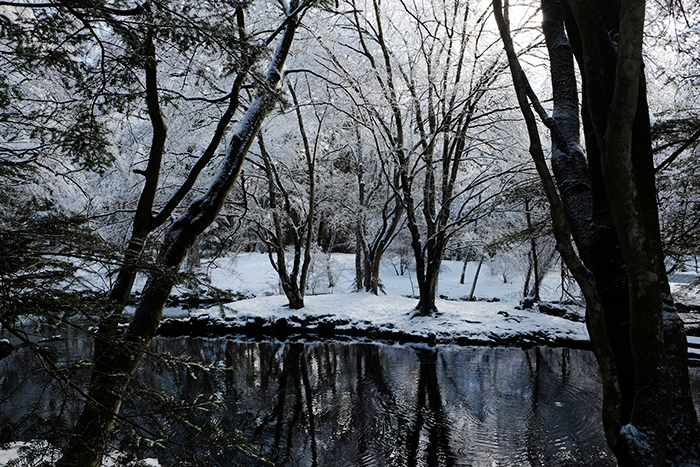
376 405
357 404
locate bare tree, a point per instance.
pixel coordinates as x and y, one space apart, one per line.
378 217
429 120
292 222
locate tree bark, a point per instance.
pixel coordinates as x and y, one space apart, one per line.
464 268
533 293
637 337
568 162
628 174
528 275
476 277
595 314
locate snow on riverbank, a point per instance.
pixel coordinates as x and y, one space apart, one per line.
333 309
337 310
389 317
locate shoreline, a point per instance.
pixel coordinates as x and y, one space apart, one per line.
343 331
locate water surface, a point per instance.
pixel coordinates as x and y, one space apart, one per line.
351 404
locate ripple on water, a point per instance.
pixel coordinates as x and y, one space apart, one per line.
385 406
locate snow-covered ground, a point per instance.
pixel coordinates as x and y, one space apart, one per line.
252 274
331 306
495 317
39 452
685 288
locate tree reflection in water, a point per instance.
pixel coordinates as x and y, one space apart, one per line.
438 451
360 404
293 384
336 404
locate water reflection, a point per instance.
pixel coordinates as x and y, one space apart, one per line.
330 404
358 404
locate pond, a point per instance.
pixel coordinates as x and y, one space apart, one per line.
360 404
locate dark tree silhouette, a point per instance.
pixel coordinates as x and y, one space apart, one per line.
606 201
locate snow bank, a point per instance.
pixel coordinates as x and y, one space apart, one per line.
337 311
389 316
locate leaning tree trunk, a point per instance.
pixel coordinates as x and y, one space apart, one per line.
476 278
89 440
464 268
534 269
145 222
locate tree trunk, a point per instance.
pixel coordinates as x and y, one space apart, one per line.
359 260
360 243
476 277
426 302
329 270
528 275
145 222
534 293
623 135
120 359
311 214
374 277
647 411
464 269
293 281
296 299
428 288
194 258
